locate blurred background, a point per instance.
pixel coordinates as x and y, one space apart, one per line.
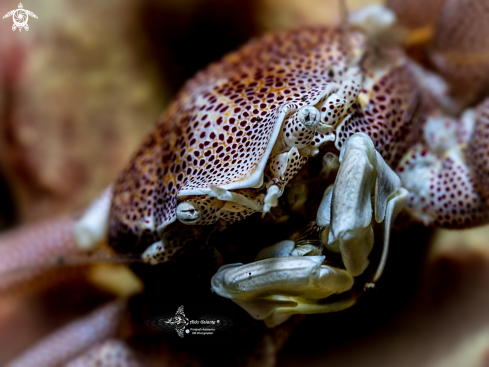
81 89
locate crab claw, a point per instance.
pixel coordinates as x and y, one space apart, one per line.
287 280
275 288
363 174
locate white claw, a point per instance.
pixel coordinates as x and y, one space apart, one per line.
363 173
355 246
351 206
289 276
285 280
265 287
329 281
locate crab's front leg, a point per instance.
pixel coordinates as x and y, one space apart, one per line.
447 173
284 282
27 252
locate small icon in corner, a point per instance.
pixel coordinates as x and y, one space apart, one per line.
20 17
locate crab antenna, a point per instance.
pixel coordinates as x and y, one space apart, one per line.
345 30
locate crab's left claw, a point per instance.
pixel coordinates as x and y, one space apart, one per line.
275 288
283 282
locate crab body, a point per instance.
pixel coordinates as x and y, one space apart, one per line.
236 127
222 129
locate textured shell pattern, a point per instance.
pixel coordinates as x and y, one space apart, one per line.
222 124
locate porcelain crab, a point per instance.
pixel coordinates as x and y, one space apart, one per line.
240 132
243 137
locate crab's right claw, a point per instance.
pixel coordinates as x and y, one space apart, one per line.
275 288
363 175
281 283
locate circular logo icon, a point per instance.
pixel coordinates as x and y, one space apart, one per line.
20 18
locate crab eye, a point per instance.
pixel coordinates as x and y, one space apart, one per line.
309 116
188 213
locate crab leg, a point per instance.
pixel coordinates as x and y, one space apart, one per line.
447 181
73 338
109 353
26 252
